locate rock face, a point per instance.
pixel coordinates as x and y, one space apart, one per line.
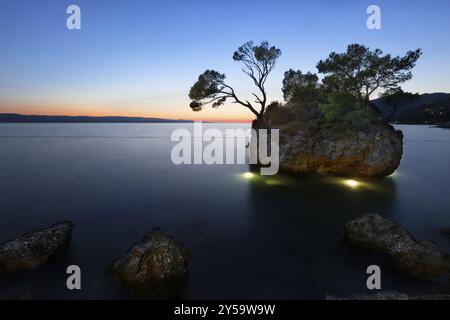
34 248
374 151
393 295
155 268
424 260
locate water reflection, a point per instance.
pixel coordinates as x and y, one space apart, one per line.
251 237
295 234
300 226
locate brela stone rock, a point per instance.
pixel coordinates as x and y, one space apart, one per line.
34 248
420 259
370 152
155 268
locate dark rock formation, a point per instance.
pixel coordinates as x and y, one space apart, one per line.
445 125
424 260
373 151
444 232
27 293
393 295
34 248
155 268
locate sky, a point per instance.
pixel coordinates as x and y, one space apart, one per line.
139 58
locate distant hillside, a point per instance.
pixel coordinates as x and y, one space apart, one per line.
20 118
429 108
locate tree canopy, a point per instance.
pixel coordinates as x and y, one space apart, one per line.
361 71
297 84
259 61
397 98
341 98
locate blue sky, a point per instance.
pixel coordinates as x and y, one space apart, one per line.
141 57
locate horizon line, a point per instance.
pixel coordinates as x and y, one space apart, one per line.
217 120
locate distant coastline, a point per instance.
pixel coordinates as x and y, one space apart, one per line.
427 108
21 118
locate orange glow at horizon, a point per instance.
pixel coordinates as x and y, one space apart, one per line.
177 113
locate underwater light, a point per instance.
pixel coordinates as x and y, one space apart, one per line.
393 174
248 175
273 182
351 183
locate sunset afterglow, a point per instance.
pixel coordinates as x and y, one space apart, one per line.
142 62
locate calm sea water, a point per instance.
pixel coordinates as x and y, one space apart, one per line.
263 237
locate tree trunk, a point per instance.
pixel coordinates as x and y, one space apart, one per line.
257 124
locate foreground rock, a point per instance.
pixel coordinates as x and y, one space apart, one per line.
393 295
34 248
424 260
27 293
155 268
374 151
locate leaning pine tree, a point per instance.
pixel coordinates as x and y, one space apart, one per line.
211 88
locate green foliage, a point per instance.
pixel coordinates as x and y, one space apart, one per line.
278 114
341 101
210 85
338 103
263 55
344 108
302 93
298 86
398 97
361 71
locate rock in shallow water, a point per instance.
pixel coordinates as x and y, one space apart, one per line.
373 151
424 260
34 248
155 268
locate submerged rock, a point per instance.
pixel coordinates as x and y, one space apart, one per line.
421 259
393 295
373 151
34 248
27 293
155 268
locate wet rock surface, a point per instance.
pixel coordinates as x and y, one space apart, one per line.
154 268
368 153
420 259
373 151
34 248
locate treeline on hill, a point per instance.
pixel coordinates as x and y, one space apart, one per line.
437 113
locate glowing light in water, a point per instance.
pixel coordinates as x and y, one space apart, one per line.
351 183
394 174
248 175
273 182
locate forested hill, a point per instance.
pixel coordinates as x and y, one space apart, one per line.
428 108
